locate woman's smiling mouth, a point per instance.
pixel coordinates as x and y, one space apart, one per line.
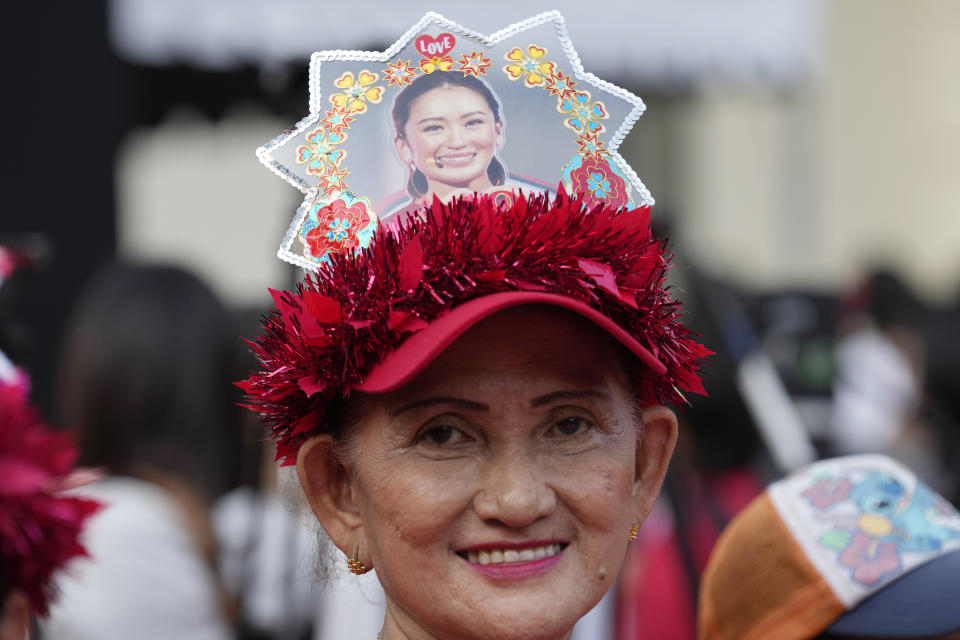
511 561
512 556
456 159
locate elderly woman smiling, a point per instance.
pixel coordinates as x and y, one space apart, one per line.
474 407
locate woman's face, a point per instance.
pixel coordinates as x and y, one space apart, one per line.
494 493
451 136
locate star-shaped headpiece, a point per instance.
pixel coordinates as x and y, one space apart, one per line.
446 111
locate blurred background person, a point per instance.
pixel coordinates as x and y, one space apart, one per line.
145 386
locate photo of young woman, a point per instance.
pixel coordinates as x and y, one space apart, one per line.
449 129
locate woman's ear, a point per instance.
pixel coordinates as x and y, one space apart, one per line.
403 150
328 485
654 449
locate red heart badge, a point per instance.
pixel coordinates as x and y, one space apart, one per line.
435 47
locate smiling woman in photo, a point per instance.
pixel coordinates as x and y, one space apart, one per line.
448 130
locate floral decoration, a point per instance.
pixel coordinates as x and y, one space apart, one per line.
321 152
598 180
399 73
529 65
337 228
584 115
474 64
871 559
357 92
591 170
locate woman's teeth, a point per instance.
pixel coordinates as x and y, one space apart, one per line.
455 160
508 556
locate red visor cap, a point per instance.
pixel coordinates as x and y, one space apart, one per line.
419 350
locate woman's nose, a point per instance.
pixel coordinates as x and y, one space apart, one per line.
515 492
456 138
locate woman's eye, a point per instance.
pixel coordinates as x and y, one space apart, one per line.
571 426
432 128
442 435
474 122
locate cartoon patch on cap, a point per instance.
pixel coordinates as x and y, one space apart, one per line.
863 521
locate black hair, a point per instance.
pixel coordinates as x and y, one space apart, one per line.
145 377
417 182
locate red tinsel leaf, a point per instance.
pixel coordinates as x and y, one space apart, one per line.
405 321
491 276
489 240
635 222
411 265
628 297
311 385
309 422
526 285
412 324
313 331
396 317
689 381
287 311
287 452
323 308
600 273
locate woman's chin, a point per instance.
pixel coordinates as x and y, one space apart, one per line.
529 600
471 177
517 623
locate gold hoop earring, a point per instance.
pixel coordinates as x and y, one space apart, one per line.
634 531
356 567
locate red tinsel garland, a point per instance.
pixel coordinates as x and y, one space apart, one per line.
39 529
323 337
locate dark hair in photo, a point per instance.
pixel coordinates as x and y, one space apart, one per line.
417 182
145 379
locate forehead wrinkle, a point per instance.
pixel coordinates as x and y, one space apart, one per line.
522 372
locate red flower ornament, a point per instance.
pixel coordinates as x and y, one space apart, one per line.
338 227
